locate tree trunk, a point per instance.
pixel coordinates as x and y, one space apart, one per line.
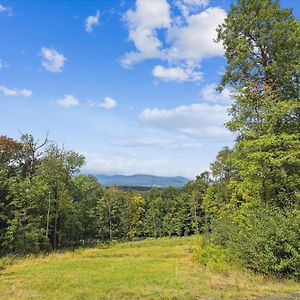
110 223
55 234
48 217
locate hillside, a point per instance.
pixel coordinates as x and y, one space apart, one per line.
141 180
150 269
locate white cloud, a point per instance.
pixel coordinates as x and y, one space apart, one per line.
178 74
108 103
195 41
52 60
129 165
210 94
190 6
123 164
5 10
134 163
183 44
25 93
15 92
195 120
143 23
68 101
92 21
3 64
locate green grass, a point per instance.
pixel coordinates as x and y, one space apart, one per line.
150 269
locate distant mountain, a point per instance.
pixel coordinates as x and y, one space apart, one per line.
140 180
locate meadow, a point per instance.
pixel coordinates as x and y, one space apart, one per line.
149 269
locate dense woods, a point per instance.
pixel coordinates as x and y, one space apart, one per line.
45 205
248 204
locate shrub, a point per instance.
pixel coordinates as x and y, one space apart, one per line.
214 257
266 240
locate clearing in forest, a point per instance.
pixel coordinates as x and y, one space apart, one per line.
149 269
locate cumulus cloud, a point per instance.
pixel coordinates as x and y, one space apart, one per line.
142 24
188 7
68 101
53 61
92 21
15 92
107 103
209 94
183 44
199 120
5 10
195 41
178 74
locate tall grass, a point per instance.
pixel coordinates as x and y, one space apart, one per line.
149 269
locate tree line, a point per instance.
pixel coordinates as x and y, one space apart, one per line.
46 204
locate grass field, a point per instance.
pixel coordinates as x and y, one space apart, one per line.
150 269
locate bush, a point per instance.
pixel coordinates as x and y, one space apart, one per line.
214 257
266 240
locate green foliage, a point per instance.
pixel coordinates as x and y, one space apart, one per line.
215 258
25 232
86 191
250 211
268 170
266 240
44 205
252 208
261 43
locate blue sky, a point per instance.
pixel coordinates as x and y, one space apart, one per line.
130 84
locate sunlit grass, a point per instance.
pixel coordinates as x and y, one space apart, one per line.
150 269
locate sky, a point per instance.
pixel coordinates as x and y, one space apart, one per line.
129 84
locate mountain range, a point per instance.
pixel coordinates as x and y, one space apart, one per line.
141 180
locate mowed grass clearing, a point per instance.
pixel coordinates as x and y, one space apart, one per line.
149 269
